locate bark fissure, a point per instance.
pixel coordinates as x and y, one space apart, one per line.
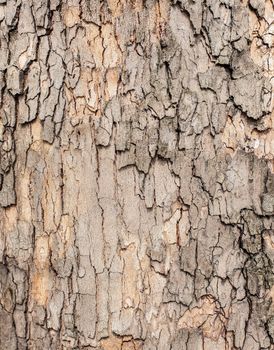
136 174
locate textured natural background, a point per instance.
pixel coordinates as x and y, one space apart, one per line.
136 175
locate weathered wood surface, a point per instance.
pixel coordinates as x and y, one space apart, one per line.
136 175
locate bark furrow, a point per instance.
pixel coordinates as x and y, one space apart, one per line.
136 175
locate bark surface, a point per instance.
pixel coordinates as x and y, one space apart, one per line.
136 175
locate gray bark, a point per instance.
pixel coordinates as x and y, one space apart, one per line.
136 175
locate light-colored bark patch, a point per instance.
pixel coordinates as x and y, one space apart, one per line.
207 316
41 279
71 15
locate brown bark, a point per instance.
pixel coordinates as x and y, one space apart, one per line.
136 174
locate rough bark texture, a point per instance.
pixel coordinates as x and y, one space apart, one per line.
136 175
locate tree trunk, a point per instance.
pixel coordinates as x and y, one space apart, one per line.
136 175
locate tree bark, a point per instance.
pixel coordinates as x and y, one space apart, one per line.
136 175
